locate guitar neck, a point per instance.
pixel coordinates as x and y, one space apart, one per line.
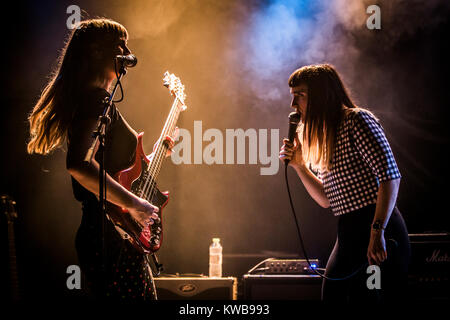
155 164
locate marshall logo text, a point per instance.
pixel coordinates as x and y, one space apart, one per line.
437 257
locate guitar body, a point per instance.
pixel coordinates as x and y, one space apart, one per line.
148 239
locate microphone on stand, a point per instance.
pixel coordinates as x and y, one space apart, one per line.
127 61
294 119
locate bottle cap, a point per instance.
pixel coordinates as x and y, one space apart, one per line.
216 239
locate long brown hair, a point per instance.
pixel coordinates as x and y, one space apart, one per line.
327 97
84 59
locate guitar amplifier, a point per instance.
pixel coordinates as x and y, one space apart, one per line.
282 287
192 288
429 270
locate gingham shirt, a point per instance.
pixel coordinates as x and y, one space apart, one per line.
362 159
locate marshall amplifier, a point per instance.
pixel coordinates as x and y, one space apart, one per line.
191 288
429 271
282 287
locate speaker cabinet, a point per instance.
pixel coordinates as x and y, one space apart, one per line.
184 288
429 271
282 287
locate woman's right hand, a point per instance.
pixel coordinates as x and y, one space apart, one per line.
143 212
292 152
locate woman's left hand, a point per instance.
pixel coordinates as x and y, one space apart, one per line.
376 253
170 142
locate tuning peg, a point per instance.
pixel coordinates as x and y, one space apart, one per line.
166 79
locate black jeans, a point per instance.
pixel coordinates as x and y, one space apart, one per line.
350 255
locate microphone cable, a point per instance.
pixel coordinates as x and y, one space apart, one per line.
301 238
118 80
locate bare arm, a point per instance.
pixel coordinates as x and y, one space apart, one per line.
87 174
313 185
387 196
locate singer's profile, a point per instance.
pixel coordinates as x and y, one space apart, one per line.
342 156
67 112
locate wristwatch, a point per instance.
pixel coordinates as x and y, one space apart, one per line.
377 225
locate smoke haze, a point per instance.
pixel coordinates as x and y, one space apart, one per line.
234 58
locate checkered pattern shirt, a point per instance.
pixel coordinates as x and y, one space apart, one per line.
362 159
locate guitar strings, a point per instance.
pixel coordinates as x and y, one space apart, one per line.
160 155
151 168
149 188
157 158
162 148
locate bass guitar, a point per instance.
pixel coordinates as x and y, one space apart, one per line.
141 177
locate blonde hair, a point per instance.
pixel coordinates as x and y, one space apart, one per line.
84 58
327 97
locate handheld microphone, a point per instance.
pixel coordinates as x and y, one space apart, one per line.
294 119
128 61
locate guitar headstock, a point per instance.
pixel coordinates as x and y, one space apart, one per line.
176 88
8 207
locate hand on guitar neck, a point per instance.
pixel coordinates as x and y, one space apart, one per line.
170 141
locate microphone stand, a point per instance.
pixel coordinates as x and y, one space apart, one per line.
99 142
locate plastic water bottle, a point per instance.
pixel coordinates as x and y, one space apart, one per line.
215 258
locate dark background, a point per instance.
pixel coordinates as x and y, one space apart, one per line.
234 58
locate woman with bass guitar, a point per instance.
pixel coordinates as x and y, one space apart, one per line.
68 110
